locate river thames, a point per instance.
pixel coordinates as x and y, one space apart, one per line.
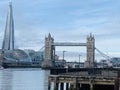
24 79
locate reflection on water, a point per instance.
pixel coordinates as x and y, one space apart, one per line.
24 79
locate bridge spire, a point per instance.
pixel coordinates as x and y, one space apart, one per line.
8 41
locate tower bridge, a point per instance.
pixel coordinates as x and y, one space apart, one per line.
50 45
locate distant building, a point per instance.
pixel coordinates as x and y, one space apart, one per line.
56 57
112 62
115 62
15 57
36 56
104 64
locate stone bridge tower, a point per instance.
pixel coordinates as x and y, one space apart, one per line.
90 52
49 52
49 48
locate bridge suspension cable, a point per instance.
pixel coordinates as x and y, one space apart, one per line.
103 54
42 49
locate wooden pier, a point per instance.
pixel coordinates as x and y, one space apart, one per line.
83 80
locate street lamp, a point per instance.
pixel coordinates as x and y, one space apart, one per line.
63 54
79 59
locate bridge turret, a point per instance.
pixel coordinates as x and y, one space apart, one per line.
49 51
90 51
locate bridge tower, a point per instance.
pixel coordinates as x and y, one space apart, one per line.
90 52
49 48
49 52
8 41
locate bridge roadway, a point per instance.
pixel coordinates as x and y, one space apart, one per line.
69 44
107 79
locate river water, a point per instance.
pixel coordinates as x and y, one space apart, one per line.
24 79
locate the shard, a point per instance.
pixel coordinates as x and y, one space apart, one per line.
8 41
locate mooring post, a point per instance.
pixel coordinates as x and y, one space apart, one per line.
71 87
91 86
49 83
62 86
91 83
66 86
116 84
56 84
78 86
75 84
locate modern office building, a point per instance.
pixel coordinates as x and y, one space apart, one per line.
8 54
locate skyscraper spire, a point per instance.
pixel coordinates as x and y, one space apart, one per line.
8 41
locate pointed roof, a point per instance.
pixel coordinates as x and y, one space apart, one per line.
8 42
49 35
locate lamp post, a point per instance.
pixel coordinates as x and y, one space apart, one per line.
63 54
79 59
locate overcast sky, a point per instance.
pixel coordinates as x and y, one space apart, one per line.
67 21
